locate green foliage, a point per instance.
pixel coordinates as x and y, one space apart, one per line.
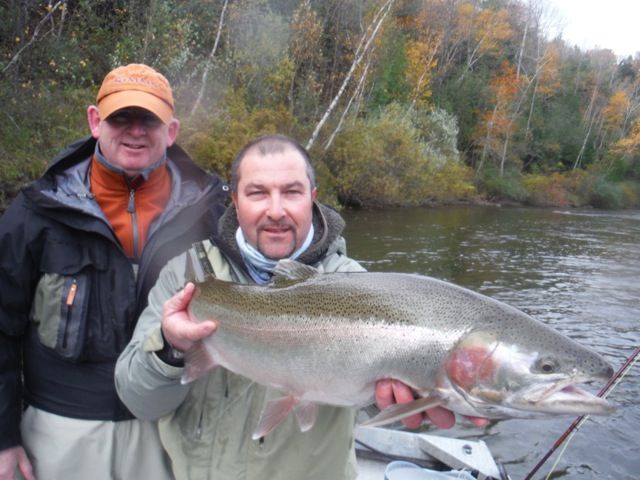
438 129
465 100
383 160
278 66
568 189
28 142
258 40
214 144
630 194
558 132
606 194
502 187
391 85
578 188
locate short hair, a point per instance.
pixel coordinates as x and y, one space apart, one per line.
268 144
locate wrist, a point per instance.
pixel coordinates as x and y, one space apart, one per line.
169 354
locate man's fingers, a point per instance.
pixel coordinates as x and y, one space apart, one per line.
403 394
479 421
441 417
180 300
384 394
194 331
24 465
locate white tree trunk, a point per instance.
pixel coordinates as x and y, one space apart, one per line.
360 52
209 62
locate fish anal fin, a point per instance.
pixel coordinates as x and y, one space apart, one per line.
274 412
307 414
399 411
197 361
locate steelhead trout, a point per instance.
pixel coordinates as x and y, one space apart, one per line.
326 338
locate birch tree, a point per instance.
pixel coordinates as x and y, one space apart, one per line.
363 47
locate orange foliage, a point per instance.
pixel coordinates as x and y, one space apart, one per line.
420 65
548 73
629 146
487 29
615 111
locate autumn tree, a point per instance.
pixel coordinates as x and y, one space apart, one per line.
484 31
499 123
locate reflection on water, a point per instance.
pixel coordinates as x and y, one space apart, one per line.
577 271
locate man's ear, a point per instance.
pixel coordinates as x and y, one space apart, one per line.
234 199
172 132
93 119
314 194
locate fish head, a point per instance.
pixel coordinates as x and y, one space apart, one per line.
492 375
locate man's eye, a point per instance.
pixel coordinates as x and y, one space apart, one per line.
150 121
147 121
119 119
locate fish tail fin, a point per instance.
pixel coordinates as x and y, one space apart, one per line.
399 411
274 412
197 360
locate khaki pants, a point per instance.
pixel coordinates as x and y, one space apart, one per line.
68 448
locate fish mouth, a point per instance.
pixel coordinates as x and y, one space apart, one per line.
563 397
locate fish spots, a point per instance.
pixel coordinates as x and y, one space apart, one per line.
470 365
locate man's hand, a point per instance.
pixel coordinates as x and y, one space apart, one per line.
12 458
177 326
389 392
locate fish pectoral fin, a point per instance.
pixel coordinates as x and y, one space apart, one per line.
399 411
274 412
197 361
307 414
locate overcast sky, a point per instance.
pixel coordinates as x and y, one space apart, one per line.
613 24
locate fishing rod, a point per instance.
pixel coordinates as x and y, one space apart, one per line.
577 423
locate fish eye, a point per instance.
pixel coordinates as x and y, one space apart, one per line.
546 365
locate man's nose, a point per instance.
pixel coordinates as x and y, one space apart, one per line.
138 126
276 209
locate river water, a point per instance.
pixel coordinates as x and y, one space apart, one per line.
578 271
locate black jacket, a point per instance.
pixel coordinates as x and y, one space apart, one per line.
69 295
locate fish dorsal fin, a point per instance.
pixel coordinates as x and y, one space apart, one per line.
287 270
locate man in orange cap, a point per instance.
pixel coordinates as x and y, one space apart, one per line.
79 250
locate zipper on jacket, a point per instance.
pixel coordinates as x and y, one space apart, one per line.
131 208
71 296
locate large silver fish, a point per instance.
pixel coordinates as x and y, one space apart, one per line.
327 339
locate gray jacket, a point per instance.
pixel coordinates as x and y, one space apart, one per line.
206 426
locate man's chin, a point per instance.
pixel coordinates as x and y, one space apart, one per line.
276 253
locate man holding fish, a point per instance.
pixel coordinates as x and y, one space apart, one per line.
206 426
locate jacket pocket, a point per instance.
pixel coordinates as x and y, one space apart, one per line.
61 301
60 312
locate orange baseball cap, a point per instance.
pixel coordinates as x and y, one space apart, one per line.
135 85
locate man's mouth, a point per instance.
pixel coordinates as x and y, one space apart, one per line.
134 146
276 229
